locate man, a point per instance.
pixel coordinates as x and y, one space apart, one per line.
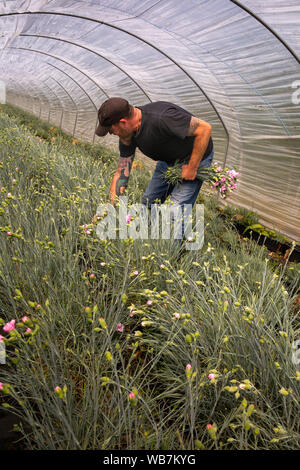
164 132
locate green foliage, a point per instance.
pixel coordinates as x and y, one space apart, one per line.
240 214
113 324
292 277
268 233
251 221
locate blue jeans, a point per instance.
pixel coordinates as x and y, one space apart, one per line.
182 193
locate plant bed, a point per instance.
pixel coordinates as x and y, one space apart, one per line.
8 435
274 246
247 225
114 345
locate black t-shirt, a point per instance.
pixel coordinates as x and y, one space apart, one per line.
163 134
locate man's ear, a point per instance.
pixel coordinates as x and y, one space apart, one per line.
123 122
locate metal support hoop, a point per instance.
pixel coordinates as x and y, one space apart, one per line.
268 27
140 39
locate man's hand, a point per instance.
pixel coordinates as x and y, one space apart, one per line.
121 177
188 173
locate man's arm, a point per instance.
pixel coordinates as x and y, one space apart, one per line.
202 132
119 181
121 177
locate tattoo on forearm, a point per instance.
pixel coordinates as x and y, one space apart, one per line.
193 125
121 183
124 166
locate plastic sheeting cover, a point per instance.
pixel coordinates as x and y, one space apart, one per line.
232 63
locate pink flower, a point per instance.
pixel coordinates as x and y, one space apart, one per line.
223 188
241 386
223 179
149 302
132 312
102 264
8 233
92 276
209 426
211 376
176 315
219 169
57 389
1 385
28 330
86 230
24 319
9 326
188 367
120 327
135 273
128 218
131 395
1 338
233 173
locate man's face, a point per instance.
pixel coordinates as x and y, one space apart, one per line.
121 129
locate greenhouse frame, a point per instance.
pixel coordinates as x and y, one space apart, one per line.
234 64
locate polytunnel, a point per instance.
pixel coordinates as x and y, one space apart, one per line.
232 63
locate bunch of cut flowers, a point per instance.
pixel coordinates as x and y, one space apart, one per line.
221 179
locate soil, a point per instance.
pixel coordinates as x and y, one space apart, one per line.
9 437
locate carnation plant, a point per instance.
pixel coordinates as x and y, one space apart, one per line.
221 179
112 344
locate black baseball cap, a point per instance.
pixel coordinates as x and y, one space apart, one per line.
110 112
